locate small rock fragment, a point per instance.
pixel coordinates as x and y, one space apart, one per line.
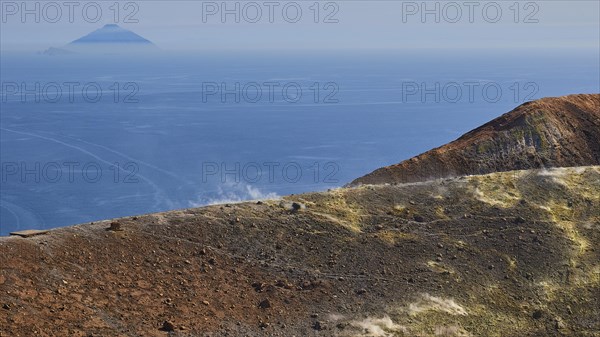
264 304
361 291
319 326
296 207
168 326
115 226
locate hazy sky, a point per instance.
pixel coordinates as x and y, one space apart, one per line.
199 25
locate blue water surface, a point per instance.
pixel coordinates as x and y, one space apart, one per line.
167 140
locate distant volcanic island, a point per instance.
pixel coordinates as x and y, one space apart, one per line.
110 39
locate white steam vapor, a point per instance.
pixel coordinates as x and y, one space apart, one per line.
378 327
233 193
433 303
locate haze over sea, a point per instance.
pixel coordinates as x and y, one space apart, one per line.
173 143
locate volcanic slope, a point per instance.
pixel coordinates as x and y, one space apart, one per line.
550 132
504 254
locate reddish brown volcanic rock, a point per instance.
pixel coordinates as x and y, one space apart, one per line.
512 254
550 132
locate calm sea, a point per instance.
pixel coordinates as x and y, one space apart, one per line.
83 139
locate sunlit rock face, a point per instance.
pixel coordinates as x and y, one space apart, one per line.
550 132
